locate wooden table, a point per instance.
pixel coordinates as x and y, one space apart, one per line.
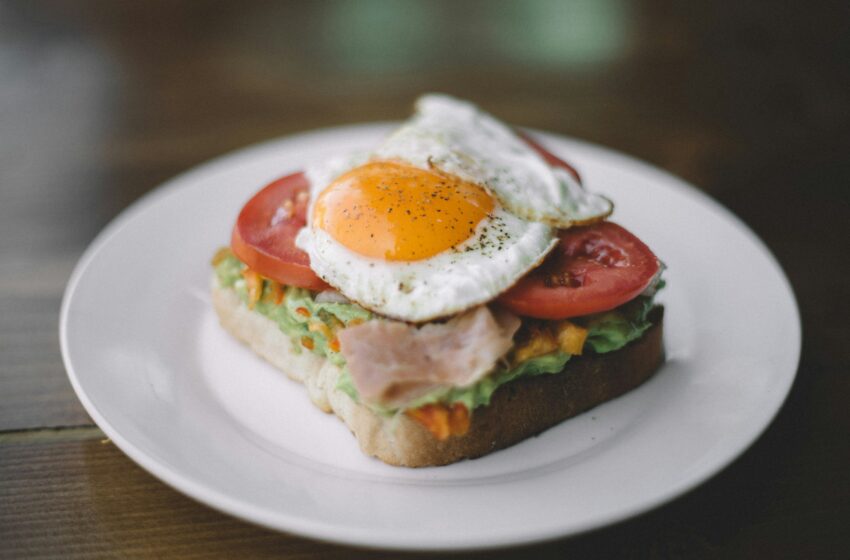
102 101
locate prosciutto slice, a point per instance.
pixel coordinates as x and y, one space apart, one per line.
392 363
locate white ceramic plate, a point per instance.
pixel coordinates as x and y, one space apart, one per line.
198 410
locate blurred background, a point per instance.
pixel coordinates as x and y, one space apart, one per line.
101 101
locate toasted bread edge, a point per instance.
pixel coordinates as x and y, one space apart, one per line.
518 410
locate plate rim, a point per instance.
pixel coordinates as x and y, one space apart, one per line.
334 533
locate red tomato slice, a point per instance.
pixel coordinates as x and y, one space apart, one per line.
264 235
550 158
594 268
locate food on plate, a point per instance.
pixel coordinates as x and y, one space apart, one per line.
452 292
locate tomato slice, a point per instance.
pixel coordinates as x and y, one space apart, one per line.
264 235
594 268
550 158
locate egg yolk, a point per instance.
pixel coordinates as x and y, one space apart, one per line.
393 211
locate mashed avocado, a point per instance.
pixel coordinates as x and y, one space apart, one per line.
312 324
614 329
309 323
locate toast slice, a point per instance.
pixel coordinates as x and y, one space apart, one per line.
518 410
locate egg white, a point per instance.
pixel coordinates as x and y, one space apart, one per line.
502 249
460 139
530 197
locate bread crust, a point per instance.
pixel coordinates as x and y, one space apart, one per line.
518 410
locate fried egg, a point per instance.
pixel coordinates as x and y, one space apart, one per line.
448 212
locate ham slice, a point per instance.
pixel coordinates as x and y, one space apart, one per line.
392 363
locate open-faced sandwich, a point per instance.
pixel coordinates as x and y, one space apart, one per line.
450 293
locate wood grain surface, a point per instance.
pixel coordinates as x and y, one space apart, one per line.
102 101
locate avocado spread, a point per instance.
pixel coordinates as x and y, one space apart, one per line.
311 323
